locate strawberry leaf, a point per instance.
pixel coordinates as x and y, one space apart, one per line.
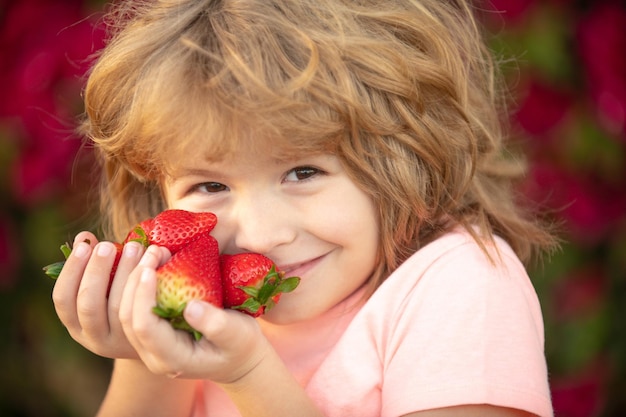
268 289
66 250
249 290
53 270
176 319
251 305
288 284
262 299
142 236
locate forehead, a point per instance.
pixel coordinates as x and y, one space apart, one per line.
191 117
216 146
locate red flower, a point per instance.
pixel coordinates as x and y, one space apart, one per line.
39 173
510 11
581 394
8 255
580 293
41 44
543 108
589 206
44 48
601 38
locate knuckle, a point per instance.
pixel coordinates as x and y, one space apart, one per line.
59 299
124 317
160 367
142 330
115 308
64 309
86 308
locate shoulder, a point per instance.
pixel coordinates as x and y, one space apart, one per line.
448 328
461 327
455 262
455 280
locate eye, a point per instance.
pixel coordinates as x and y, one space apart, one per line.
301 173
209 187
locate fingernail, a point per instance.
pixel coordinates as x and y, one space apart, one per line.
104 249
194 309
80 250
131 249
148 257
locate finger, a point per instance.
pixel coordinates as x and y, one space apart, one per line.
65 290
160 346
223 328
86 237
150 330
232 345
149 261
91 300
131 255
144 322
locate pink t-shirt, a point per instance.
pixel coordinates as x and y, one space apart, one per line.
446 328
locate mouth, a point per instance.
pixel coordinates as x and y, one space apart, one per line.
300 268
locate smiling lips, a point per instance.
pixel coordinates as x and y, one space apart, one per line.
300 268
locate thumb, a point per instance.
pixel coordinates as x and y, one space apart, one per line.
221 327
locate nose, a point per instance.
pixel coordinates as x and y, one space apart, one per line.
261 224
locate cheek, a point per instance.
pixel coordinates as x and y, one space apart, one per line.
353 222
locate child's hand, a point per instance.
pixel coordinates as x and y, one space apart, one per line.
80 295
232 343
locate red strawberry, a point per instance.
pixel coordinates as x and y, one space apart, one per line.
118 254
140 232
252 284
176 228
193 273
173 229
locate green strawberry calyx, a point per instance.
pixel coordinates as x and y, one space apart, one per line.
142 236
53 270
176 319
263 295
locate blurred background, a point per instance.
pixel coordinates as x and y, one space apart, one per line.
568 112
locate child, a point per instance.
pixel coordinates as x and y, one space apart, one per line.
357 144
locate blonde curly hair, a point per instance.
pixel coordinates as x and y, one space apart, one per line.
404 92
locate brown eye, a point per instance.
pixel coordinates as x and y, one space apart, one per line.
210 187
301 173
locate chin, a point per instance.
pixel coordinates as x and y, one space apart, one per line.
287 313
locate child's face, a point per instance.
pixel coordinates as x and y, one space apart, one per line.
306 214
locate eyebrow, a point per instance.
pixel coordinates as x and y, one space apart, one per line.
194 172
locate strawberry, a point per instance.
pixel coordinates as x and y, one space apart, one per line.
140 233
118 254
171 228
192 273
174 229
248 282
252 284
